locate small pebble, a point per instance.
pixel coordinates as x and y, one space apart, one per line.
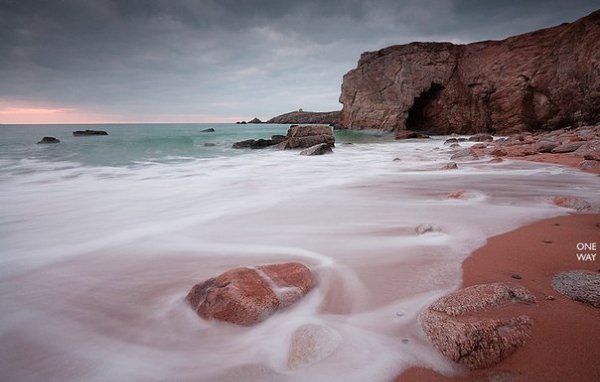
396 159
399 314
557 224
405 340
547 241
516 276
550 298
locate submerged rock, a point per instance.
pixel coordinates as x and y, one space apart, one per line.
209 130
320 149
481 138
253 144
248 295
49 140
83 133
406 134
572 202
465 154
312 343
450 166
583 286
457 327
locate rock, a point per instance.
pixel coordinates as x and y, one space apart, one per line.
450 140
572 202
481 138
246 296
450 166
539 80
521 151
592 155
209 130
498 152
255 120
320 149
209 144
459 194
479 146
452 324
307 136
84 133
308 117
405 134
567 147
465 154
277 139
312 343
49 140
583 286
587 148
589 165
422 229
241 122
516 276
455 145
253 144
544 146
496 160
549 298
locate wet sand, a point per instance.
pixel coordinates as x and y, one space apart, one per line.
565 345
561 159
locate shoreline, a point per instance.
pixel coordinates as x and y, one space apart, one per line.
566 339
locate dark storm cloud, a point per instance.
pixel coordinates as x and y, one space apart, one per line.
155 59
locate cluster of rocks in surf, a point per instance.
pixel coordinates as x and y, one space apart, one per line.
315 139
78 133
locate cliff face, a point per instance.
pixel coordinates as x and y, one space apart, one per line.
540 80
302 117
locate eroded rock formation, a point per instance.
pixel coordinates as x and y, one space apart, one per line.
540 80
298 117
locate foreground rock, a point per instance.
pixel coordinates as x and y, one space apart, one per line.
247 296
312 343
541 80
320 149
457 327
301 137
583 286
307 117
84 133
49 140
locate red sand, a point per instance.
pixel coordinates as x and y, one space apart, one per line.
562 159
565 345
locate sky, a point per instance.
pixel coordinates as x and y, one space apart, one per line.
84 61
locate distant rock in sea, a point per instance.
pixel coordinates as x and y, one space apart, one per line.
209 130
84 133
306 117
545 79
49 140
255 120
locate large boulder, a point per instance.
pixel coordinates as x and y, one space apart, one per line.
301 137
248 295
545 79
459 326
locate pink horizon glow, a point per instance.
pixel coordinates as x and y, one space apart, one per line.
15 114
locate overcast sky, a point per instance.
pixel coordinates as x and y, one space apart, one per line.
221 60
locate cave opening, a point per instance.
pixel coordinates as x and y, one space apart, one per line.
423 110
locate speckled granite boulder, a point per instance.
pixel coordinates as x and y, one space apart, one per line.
452 324
581 286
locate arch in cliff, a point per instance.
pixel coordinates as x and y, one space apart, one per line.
421 115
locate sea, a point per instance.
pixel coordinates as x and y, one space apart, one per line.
102 237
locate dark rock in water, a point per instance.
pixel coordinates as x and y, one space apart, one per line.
253 144
450 140
583 286
209 144
209 130
465 154
49 140
241 122
572 202
406 134
320 149
247 296
277 139
84 133
307 136
255 120
589 165
458 326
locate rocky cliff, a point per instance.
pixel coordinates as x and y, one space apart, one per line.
303 117
540 80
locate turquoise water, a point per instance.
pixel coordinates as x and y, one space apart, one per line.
129 144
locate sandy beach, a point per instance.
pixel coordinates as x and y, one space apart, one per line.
566 333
